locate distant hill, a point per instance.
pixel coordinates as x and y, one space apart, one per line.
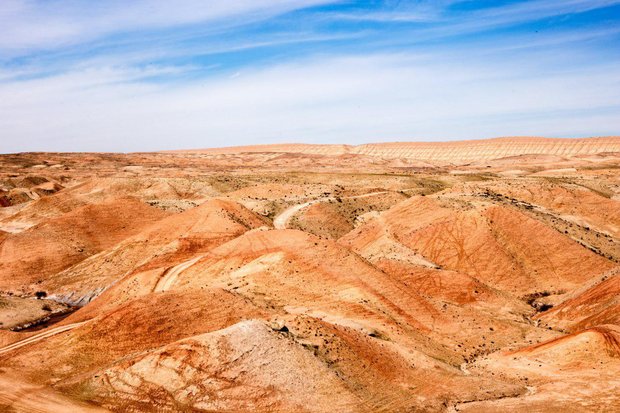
464 151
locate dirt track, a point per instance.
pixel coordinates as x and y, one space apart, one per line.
170 277
281 221
40 336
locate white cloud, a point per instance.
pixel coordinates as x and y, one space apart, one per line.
371 98
35 24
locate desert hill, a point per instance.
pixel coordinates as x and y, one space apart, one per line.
587 361
453 152
476 276
456 235
598 304
160 247
29 257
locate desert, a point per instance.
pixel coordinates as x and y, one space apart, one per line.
443 277
310 206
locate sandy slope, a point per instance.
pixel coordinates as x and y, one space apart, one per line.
23 397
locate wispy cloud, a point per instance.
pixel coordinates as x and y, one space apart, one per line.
369 98
449 23
522 12
503 14
32 24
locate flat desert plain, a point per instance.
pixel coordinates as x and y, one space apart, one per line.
472 276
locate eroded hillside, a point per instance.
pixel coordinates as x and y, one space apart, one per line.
472 276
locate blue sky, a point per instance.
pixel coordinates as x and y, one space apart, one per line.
78 75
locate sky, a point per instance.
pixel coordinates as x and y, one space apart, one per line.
145 75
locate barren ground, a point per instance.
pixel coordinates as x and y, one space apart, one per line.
476 276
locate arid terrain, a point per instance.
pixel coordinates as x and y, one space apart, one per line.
473 276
